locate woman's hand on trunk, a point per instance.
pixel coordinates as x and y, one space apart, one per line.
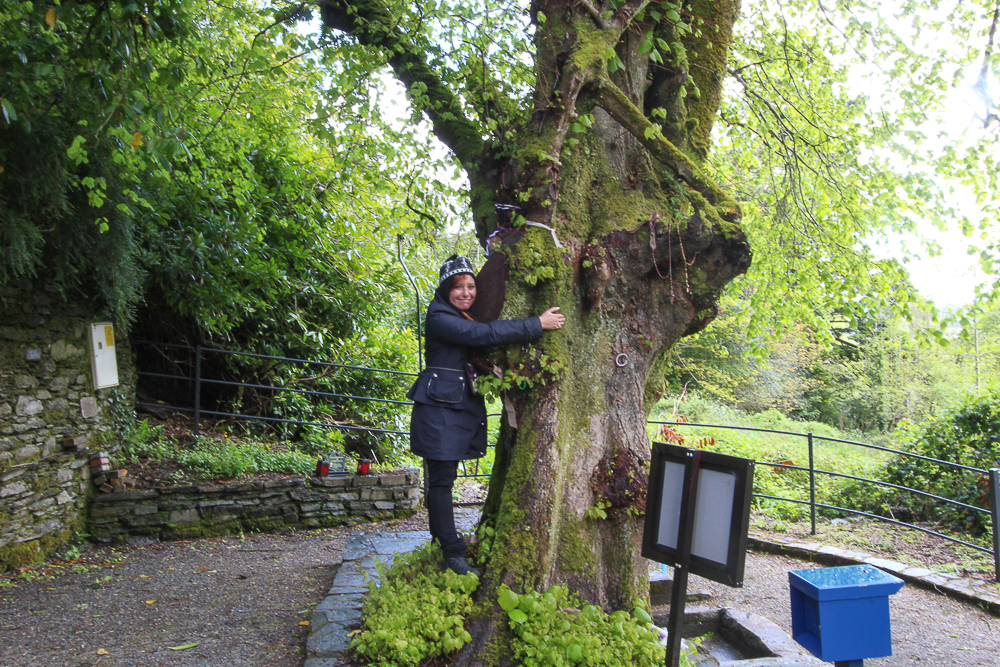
551 319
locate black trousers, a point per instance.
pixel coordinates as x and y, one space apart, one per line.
440 511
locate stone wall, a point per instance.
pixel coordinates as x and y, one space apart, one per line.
218 509
46 395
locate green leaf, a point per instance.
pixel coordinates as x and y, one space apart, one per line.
517 616
9 114
508 599
575 652
184 647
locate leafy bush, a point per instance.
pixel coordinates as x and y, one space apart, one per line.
550 629
418 611
969 437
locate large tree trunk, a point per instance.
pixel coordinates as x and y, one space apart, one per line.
576 438
646 251
609 161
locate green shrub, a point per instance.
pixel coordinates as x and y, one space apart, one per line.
550 629
970 437
142 440
417 613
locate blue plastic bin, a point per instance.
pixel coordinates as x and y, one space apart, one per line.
841 614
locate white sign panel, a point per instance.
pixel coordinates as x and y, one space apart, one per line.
713 515
713 511
670 504
103 358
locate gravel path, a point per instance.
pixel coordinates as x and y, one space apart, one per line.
242 602
928 628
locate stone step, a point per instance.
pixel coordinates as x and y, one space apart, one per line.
661 585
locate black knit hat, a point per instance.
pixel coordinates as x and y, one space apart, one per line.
455 265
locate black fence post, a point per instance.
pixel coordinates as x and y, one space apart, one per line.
197 388
995 516
812 484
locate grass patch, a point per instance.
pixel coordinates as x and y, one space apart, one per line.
213 455
885 540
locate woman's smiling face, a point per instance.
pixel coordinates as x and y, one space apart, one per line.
463 291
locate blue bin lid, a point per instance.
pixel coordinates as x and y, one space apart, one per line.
845 583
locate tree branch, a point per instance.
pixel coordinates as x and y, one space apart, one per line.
617 104
981 86
625 14
371 24
593 11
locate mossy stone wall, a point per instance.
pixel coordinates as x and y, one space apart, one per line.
204 510
46 395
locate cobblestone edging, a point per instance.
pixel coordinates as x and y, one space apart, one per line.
215 509
340 611
984 593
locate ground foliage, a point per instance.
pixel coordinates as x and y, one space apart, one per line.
416 612
553 628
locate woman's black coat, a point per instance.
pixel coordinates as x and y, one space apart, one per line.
448 423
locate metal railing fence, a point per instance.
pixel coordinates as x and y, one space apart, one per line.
993 493
198 380
198 412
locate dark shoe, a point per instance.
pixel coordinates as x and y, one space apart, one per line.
459 565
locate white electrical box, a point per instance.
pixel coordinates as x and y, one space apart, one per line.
103 360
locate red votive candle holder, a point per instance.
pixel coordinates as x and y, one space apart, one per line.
322 468
364 465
